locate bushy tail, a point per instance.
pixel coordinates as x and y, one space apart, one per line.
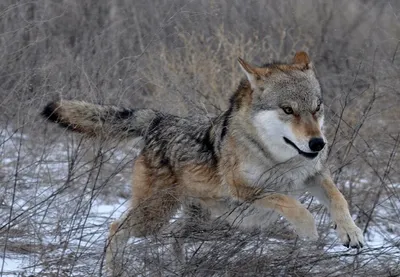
99 120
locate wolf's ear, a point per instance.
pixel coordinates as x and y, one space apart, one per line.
301 58
250 71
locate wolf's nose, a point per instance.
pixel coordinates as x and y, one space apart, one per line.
316 144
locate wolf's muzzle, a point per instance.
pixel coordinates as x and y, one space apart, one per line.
309 155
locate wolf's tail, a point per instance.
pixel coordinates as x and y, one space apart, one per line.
99 120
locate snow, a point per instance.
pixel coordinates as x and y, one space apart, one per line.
72 220
50 213
12 264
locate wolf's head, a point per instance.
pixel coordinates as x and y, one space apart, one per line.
286 107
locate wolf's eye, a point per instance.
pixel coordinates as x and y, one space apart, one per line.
287 110
317 109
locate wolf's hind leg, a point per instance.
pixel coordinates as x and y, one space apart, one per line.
154 200
117 239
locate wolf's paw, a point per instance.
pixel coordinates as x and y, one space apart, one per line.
308 232
350 235
306 228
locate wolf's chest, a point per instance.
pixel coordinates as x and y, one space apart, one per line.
284 177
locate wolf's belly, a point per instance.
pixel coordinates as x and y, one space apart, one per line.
241 215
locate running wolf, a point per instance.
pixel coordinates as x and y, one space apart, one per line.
245 165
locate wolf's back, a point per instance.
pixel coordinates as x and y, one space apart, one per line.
99 120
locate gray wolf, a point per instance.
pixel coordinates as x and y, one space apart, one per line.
256 156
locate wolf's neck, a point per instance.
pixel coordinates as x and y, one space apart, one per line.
240 103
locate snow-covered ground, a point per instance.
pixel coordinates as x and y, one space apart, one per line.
56 206
44 218
94 232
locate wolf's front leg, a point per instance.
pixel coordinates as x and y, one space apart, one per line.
322 187
293 211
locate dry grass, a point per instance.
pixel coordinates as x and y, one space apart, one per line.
180 57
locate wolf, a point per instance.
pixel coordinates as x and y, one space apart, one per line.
247 164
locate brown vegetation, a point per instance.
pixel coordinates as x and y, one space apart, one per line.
181 57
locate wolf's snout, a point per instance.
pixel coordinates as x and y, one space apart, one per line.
316 144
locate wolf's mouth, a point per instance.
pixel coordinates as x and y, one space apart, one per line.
309 155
